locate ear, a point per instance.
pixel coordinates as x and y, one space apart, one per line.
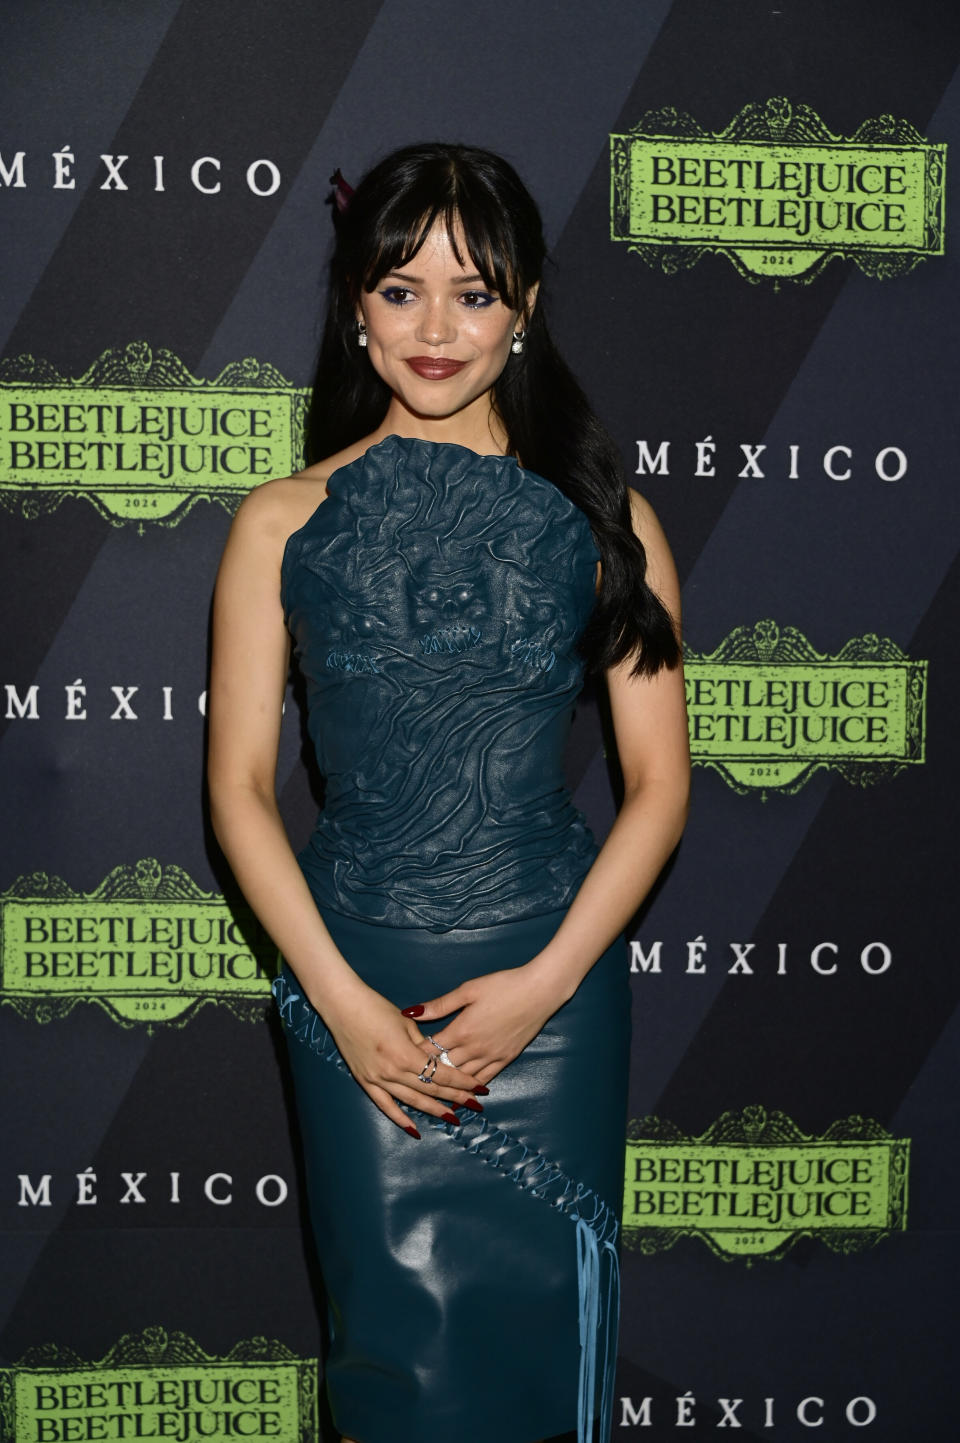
529 303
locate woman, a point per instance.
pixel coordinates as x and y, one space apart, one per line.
451 930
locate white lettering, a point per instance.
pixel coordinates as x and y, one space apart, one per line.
802 1413
641 961
705 465
195 174
741 965
695 951
123 710
815 958
133 1193
729 1406
76 711
274 174
828 463
30 1196
685 1406
631 1417
114 180
860 1422
648 465
886 957
86 1182
12 174
26 708
281 1190
879 464
62 161
208 1188
750 467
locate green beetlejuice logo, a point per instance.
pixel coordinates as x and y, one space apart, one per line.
157 1384
777 192
766 710
148 945
142 438
754 1183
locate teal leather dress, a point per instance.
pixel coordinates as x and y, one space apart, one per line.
435 599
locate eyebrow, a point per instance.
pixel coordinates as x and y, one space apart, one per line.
418 280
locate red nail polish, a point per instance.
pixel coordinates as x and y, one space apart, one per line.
413 1132
449 1117
482 1091
473 1106
413 1011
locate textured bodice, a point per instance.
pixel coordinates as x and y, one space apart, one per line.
435 599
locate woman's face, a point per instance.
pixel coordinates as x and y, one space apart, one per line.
435 334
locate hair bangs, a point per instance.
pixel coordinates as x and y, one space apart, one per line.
489 237
481 220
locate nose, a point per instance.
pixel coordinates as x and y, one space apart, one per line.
436 326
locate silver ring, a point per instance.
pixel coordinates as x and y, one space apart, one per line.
431 1062
442 1054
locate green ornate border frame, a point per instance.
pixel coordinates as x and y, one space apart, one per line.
124 372
756 1127
777 121
155 1347
145 882
766 643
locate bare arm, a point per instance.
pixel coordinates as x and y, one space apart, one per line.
502 1011
251 652
650 724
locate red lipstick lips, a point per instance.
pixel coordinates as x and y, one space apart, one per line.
434 368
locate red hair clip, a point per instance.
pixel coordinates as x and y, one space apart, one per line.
341 191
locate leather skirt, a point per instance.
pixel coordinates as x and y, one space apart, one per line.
472 1277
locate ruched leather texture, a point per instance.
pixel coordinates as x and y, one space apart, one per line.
436 598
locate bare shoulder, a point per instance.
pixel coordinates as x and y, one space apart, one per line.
645 522
275 509
643 516
661 571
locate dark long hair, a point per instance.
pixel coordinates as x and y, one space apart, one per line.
549 422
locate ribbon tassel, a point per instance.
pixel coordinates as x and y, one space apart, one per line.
599 1300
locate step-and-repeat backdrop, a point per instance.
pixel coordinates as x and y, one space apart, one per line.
755 280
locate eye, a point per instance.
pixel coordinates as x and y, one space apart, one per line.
477 300
397 295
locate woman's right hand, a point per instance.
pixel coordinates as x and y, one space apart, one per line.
385 1051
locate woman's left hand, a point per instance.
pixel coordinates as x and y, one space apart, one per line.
498 1014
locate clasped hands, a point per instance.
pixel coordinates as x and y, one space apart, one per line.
498 1013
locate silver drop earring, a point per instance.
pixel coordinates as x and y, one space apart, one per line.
361 335
517 346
